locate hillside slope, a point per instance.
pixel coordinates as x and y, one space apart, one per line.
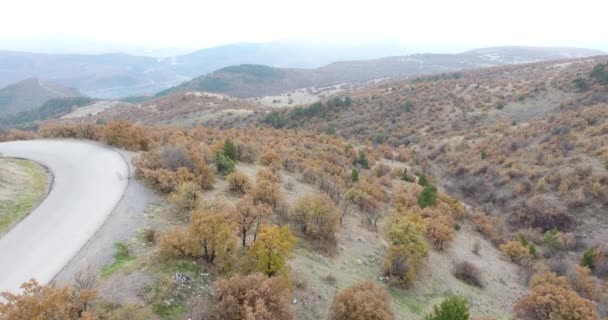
31 93
245 81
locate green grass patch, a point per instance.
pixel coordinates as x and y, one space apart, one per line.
122 258
168 312
406 301
28 194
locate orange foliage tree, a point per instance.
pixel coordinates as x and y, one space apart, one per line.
363 301
39 302
252 297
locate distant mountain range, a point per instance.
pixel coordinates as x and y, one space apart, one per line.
30 94
119 75
247 81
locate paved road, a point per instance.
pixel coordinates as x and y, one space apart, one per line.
89 180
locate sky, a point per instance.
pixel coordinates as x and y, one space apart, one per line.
449 25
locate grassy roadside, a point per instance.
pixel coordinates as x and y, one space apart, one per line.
23 184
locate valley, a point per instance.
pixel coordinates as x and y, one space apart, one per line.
479 180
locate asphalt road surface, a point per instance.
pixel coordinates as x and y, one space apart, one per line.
89 180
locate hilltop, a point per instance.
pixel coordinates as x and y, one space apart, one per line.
30 94
246 81
118 75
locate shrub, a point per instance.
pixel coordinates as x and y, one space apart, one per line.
239 182
354 175
269 253
230 151
406 177
316 216
172 165
590 257
547 213
551 239
452 308
363 301
515 250
362 160
246 152
249 216
468 273
125 135
223 164
554 300
46 302
254 296
267 190
186 197
270 159
428 196
423 180
440 230
584 283
214 235
407 252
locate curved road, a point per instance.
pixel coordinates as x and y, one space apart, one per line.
89 180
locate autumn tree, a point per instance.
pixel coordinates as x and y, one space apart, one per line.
239 182
269 253
405 257
552 298
440 230
452 308
186 198
315 216
252 297
172 165
363 301
267 189
41 302
123 134
250 216
271 159
515 250
178 243
215 237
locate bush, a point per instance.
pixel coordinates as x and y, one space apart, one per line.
37 301
551 298
172 165
316 216
125 135
270 159
590 257
515 250
452 308
468 273
362 160
363 301
186 197
239 182
354 175
253 297
270 252
428 196
423 180
246 152
230 151
223 164
440 230
407 252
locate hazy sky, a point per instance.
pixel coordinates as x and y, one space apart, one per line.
200 23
